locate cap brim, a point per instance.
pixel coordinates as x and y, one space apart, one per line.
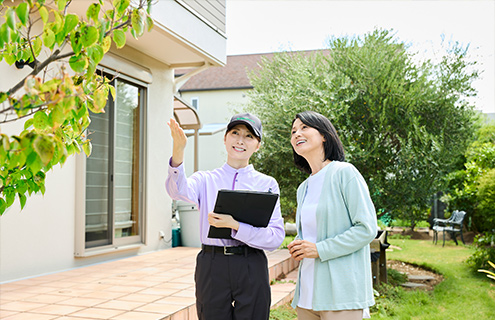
247 124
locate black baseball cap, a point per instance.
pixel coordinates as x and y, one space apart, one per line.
250 121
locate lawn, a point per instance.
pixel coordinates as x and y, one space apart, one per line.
462 295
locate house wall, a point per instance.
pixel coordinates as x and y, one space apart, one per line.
212 11
41 238
216 106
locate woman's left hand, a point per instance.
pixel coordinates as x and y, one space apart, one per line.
300 249
222 221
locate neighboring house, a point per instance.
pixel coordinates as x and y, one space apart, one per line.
114 204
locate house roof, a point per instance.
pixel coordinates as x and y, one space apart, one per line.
234 75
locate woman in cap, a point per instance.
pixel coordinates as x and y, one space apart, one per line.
231 274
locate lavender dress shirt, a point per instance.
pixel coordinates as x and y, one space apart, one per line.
202 187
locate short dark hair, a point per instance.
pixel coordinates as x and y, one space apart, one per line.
334 150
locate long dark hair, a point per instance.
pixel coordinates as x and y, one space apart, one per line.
334 150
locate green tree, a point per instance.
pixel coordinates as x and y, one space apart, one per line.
471 188
404 124
47 37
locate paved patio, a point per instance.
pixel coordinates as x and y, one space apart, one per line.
158 285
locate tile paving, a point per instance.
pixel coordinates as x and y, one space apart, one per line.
153 286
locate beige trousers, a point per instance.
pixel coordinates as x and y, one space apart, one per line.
305 314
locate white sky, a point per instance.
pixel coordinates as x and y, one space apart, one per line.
261 26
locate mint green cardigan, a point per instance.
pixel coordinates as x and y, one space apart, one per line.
346 224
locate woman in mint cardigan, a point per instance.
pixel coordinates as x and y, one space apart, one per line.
336 221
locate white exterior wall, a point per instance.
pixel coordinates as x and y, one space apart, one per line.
41 238
216 106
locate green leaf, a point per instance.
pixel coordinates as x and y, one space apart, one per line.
28 123
37 44
22 12
149 23
10 17
119 38
48 38
3 96
138 21
22 200
87 148
9 196
75 42
78 63
106 44
91 69
40 120
121 5
61 4
43 14
71 21
45 148
100 100
112 92
56 116
4 33
33 162
89 35
93 11
5 142
3 206
95 53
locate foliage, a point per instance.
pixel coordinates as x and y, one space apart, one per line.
395 277
403 124
490 274
485 210
284 312
461 295
472 188
287 240
49 38
484 251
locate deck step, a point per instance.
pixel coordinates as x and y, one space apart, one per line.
283 289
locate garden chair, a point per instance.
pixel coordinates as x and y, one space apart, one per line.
452 225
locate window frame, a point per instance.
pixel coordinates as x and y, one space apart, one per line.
128 242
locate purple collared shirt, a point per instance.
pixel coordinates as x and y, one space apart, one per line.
202 187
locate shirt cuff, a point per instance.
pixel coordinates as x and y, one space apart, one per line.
175 171
241 232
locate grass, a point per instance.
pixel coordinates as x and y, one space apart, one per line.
462 295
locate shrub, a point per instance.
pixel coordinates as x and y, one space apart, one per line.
395 277
483 253
486 201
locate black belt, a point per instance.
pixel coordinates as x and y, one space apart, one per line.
228 251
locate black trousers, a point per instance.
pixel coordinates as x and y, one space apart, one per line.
232 287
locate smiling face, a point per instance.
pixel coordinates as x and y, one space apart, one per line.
240 144
307 141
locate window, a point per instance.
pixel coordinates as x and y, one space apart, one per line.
114 170
195 103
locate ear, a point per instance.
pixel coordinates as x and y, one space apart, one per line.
258 147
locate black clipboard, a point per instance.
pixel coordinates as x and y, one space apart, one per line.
251 207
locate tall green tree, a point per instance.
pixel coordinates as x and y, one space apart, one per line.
404 124
50 39
472 188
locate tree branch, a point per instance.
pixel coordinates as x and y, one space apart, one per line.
37 69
